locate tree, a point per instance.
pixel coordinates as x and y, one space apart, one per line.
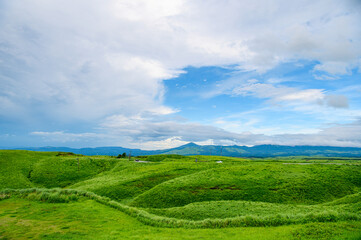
124 155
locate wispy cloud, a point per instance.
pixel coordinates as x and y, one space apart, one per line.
61 136
277 94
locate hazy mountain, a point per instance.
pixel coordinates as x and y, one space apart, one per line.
234 151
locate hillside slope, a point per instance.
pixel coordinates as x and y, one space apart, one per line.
23 169
261 182
191 191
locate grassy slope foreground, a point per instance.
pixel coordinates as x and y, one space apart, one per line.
286 198
86 219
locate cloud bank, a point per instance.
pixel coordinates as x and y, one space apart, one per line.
104 63
155 134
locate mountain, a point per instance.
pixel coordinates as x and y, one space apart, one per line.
232 151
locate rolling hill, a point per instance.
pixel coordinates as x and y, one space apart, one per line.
57 195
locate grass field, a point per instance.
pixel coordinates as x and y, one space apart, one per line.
65 196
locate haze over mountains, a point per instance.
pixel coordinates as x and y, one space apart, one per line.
232 151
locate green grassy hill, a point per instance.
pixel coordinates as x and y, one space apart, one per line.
227 209
275 183
22 169
183 192
16 167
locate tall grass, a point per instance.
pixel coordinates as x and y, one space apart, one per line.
64 195
228 209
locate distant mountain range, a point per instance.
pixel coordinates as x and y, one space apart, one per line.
232 151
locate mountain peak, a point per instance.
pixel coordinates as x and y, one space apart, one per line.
191 144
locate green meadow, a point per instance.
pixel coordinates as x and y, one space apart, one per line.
52 195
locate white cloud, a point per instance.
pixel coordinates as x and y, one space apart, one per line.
146 10
88 60
153 128
325 77
337 101
289 96
163 133
161 144
112 56
309 95
61 136
333 67
344 135
160 135
151 68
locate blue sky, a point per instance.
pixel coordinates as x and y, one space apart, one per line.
157 74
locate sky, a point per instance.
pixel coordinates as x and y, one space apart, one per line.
155 74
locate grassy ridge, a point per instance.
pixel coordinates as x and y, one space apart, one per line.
228 209
87 219
130 179
16 167
188 159
62 171
275 183
50 195
22 169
